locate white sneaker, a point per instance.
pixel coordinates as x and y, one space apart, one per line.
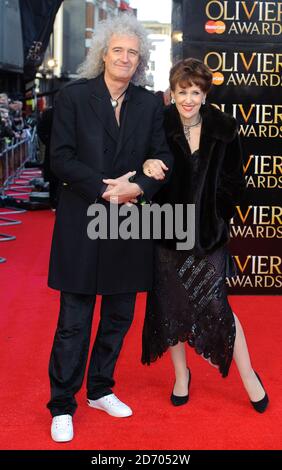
62 428
111 405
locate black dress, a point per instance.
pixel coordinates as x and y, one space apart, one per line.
189 302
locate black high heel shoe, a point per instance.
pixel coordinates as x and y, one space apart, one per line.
178 401
261 405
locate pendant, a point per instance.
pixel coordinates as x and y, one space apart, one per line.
114 103
186 132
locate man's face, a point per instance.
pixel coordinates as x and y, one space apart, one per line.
122 57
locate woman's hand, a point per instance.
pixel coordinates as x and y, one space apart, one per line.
155 169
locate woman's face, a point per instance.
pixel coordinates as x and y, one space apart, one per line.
188 100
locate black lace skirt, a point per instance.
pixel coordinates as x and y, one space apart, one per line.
189 303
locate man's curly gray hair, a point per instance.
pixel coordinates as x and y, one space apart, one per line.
125 24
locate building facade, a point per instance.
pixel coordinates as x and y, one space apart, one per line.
160 57
11 58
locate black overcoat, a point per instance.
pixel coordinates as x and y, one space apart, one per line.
86 147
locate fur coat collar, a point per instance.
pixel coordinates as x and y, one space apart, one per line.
216 124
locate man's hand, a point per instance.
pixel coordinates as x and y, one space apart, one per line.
155 169
124 177
120 190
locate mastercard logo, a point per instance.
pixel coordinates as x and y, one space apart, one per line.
215 27
217 78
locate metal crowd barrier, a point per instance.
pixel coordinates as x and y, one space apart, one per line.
13 158
12 161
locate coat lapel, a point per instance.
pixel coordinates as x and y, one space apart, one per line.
174 130
101 105
133 112
208 139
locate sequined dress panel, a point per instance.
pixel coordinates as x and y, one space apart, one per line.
189 303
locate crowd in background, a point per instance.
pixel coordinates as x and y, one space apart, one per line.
13 125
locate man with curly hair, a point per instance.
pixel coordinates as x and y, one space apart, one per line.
105 126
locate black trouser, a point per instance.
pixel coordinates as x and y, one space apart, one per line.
71 345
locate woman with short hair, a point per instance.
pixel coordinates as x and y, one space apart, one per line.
189 301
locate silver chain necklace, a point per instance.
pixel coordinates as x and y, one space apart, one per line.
186 129
114 102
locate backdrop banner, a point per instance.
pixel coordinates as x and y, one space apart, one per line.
233 21
240 42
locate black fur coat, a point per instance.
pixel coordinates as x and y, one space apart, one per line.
217 183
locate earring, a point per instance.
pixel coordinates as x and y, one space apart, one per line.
204 101
172 101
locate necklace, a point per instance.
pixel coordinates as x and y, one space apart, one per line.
115 102
186 129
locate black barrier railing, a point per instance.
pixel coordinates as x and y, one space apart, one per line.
13 158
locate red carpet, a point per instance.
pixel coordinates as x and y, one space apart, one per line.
218 415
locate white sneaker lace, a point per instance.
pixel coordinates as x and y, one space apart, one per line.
113 400
62 421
